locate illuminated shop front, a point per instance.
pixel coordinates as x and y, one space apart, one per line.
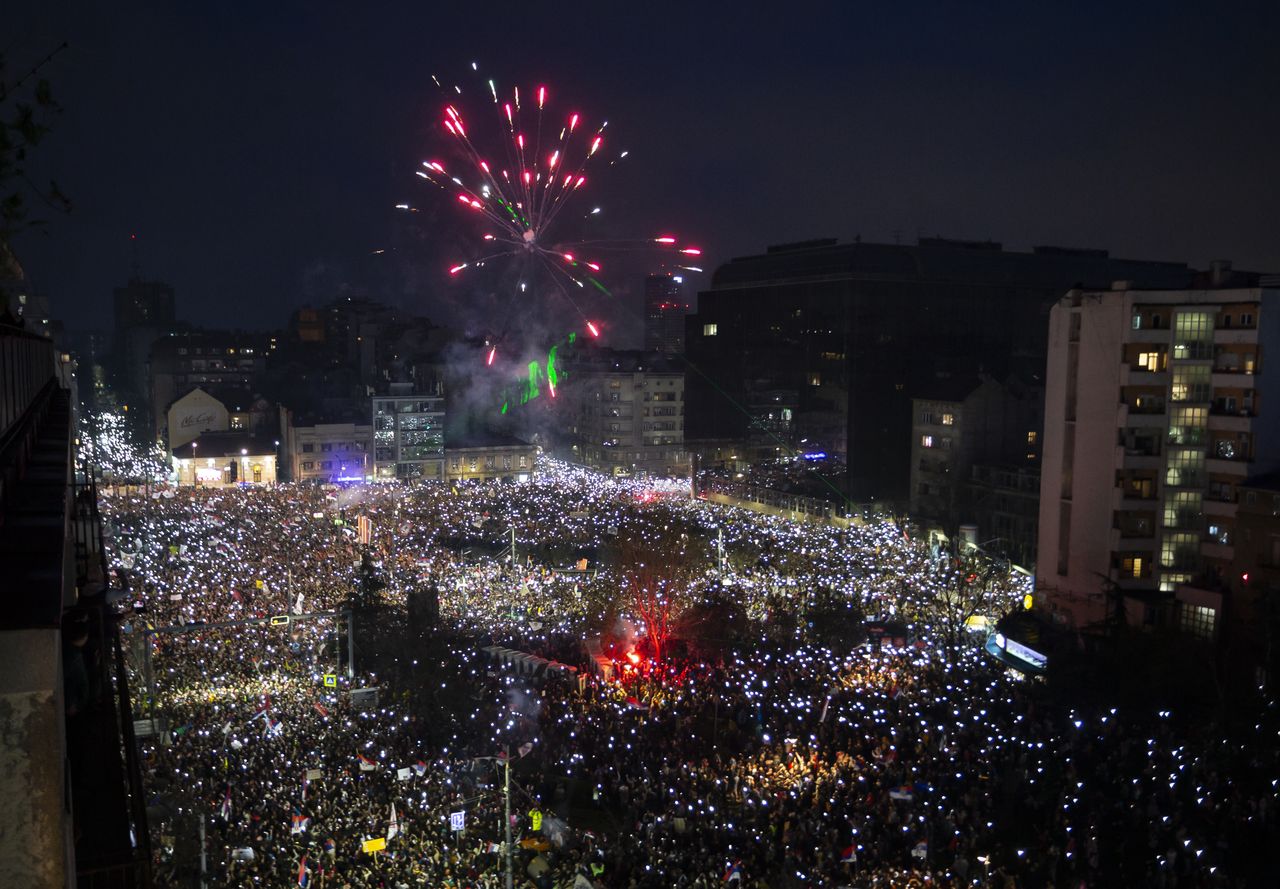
220 459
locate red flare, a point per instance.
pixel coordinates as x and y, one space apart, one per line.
691 251
507 108
484 166
488 237
464 198
520 141
527 177
593 266
542 96
457 268
573 122
450 127
591 327
581 180
664 239
568 257
555 156
492 352
595 146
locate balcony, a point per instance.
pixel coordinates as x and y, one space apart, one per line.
1134 458
1236 466
1230 422
1211 549
1140 376
1227 336
1211 507
1148 335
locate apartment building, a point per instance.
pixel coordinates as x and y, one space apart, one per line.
624 413
1155 414
331 452
408 434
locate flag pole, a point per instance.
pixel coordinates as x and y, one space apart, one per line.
506 796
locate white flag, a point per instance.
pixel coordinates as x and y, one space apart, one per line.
393 829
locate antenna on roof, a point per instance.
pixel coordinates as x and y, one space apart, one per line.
137 265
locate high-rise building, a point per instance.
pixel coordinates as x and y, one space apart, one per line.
665 307
143 313
408 434
830 342
1156 411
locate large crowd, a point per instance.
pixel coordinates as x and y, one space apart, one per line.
776 760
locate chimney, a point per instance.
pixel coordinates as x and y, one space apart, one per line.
1219 272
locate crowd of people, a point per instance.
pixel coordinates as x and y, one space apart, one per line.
779 762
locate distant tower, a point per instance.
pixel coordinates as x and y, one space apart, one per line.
664 309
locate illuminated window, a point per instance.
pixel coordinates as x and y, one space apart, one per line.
1032 436
815 379
1132 566
1150 361
948 419
709 330
1180 550
307 466
1199 620
926 441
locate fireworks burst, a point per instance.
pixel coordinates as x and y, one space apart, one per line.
524 185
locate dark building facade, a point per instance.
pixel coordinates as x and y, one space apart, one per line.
665 308
229 363
143 313
830 342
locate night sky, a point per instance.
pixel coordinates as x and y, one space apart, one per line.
258 154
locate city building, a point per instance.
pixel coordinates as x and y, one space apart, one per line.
665 307
1156 410
330 452
830 342
1251 616
219 459
970 437
199 411
408 434
488 456
624 413
144 312
230 363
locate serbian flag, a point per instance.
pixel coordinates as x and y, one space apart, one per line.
300 824
366 764
733 873
304 875
226 805
419 768
330 847
635 704
320 708
904 792
261 711
849 855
